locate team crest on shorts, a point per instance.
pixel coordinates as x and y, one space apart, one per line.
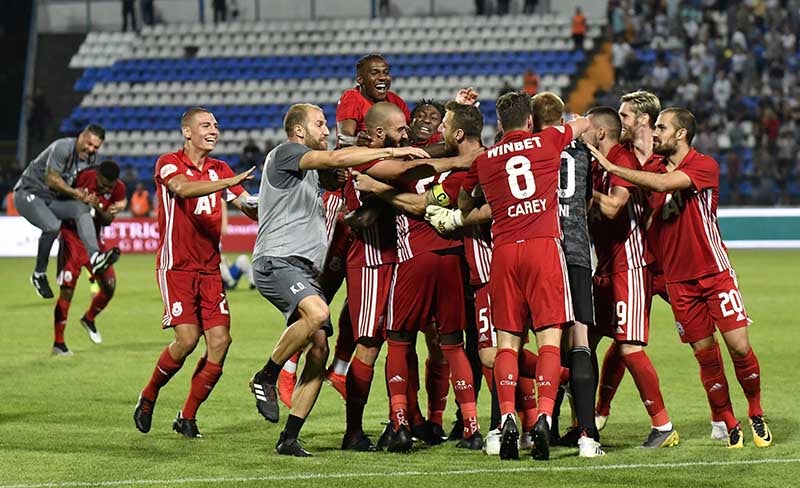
680 328
177 308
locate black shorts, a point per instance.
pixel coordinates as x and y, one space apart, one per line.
580 286
285 282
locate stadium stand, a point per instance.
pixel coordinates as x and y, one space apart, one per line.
137 87
735 65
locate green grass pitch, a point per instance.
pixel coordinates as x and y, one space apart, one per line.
66 422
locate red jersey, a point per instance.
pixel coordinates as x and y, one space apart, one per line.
620 242
685 234
332 200
87 179
478 252
354 106
416 236
190 227
519 177
376 244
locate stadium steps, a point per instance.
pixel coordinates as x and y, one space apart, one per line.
599 75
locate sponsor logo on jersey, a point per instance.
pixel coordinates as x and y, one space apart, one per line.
167 170
212 175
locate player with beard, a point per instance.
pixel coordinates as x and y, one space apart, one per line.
288 255
461 130
374 82
701 282
622 279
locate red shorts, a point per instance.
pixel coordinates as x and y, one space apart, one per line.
191 297
622 305
529 279
428 287
487 337
699 305
334 268
368 299
72 257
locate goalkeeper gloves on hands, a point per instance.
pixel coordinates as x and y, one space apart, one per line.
444 220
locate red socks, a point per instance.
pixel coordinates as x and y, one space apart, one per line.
397 380
359 380
60 319
610 378
345 344
526 402
461 377
548 372
527 363
712 375
437 384
99 303
506 372
165 369
206 376
749 375
646 380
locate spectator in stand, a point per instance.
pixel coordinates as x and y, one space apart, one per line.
579 28
220 10
148 12
621 52
530 82
128 11
11 209
140 201
251 155
530 6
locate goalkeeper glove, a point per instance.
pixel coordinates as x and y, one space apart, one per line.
444 220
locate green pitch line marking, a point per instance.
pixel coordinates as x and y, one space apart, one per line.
323 476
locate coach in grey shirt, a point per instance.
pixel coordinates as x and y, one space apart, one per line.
44 196
288 254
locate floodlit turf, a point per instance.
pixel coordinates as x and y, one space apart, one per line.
67 421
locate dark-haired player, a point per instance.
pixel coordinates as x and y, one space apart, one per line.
103 184
701 283
425 120
44 195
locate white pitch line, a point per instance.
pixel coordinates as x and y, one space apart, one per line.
401 474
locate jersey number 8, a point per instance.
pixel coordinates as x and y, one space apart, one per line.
520 167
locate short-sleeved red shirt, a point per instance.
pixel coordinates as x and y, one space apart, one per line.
519 178
377 243
189 228
685 234
354 106
87 179
416 236
620 242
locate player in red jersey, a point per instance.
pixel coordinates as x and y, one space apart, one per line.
108 200
519 178
425 120
701 283
621 280
374 81
192 189
418 296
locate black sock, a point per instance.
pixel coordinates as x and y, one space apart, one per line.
293 426
582 381
272 369
556 412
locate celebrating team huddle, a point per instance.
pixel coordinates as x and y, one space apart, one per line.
473 247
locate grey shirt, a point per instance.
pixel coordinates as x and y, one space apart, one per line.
574 191
291 217
62 157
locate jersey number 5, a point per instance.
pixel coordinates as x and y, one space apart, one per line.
519 167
